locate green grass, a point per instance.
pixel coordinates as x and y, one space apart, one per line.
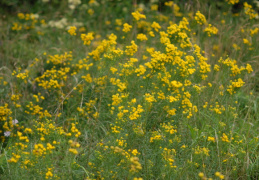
180 105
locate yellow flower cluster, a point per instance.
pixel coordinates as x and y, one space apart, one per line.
49 173
142 37
137 16
218 174
74 130
6 121
136 112
250 11
235 70
132 49
168 156
234 85
202 150
119 100
169 128
135 165
212 139
200 18
155 26
16 27
126 27
155 137
225 138
232 1
72 30
87 38
31 21
211 30
14 159
254 31
217 108
149 98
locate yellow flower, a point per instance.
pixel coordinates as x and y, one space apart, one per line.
246 41
21 15
74 151
72 30
211 139
126 27
249 68
155 26
249 11
149 98
169 3
154 7
132 49
254 31
91 12
232 1
135 152
200 18
201 175
224 138
236 47
49 173
138 16
135 178
142 37
211 30
87 38
217 174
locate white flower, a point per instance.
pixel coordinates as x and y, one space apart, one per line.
72 6
256 3
7 133
74 2
15 121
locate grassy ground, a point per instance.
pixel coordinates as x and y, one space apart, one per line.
129 90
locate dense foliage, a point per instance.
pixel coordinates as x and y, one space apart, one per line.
129 90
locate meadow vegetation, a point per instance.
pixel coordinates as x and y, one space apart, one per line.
129 89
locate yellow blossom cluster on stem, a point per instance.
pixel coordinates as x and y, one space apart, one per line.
72 30
27 21
200 18
137 16
211 30
232 1
107 111
87 38
126 27
250 11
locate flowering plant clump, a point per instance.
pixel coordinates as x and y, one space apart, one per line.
157 92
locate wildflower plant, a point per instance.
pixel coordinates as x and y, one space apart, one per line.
155 93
